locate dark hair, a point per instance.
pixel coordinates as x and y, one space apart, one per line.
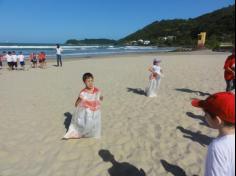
226 124
9 52
212 115
87 76
58 46
229 124
13 52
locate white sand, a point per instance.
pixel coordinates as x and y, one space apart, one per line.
136 129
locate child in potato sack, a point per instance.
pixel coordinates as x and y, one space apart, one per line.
86 120
154 78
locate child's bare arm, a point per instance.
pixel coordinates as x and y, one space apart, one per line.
78 101
150 69
231 70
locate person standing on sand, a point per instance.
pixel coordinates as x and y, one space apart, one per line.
9 61
229 74
59 52
44 56
21 59
33 60
40 60
14 60
2 58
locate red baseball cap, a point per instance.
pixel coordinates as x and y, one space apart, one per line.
220 104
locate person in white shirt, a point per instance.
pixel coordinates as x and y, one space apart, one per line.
154 79
14 60
21 59
9 60
59 52
220 114
2 58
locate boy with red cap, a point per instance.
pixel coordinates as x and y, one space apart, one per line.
220 114
229 74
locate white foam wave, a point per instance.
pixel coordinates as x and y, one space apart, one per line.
139 48
47 47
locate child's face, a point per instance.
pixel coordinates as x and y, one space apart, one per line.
214 123
89 83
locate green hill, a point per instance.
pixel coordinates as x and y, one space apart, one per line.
219 25
90 42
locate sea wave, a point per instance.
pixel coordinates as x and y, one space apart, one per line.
139 48
83 51
46 47
77 47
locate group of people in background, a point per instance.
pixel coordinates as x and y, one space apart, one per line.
17 61
13 60
39 58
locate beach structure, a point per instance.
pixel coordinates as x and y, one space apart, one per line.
146 42
224 47
141 41
168 38
201 40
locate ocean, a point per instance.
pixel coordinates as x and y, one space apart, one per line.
71 51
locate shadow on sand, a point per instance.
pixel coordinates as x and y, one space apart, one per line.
198 117
193 91
136 91
67 121
198 137
120 169
173 169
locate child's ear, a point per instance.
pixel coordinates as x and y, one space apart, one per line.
218 121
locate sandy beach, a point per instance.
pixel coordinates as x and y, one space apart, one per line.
164 136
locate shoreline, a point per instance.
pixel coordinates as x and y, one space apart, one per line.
118 55
153 54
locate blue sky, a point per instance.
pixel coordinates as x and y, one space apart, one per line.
58 20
